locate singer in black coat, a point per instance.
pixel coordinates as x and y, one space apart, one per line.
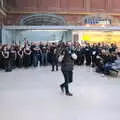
54 58
88 53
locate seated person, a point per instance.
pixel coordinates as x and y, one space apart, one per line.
110 59
99 64
116 64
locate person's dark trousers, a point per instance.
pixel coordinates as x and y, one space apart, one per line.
35 60
54 64
100 67
8 67
107 69
49 58
68 77
40 59
88 59
44 59
12 62
93 60
80 60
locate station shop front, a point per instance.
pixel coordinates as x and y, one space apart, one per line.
106 35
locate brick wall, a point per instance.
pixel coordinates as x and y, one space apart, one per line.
64 5
20 8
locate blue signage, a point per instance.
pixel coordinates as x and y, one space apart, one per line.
95 20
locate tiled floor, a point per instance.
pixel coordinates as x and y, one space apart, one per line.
34 94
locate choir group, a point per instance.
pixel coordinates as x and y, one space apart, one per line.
103 57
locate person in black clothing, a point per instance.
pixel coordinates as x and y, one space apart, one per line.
44 55
87 51
67 70
6 59
80 54
106 57
20 57
95 52
13 56
112 48
36 53
54 58
113 57
99 64
50 52
108 60
27 57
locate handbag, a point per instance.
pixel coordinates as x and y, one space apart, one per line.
60 58
74 56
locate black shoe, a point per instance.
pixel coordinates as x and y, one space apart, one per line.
52 70
93 65
62 89
69 94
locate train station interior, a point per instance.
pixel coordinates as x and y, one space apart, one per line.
45 46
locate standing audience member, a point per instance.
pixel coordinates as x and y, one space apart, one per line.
80 54
95 52
54 58
87 52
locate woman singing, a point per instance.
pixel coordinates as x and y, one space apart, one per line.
20 58
6 59
27 57
13 56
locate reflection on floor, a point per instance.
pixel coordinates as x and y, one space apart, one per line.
34 94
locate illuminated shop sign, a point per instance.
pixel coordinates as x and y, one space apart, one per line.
97 21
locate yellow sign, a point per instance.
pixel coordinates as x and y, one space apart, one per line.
106 37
